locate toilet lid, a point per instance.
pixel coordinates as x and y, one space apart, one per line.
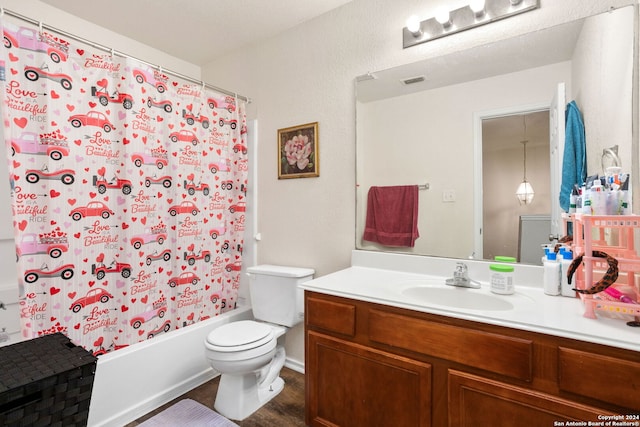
241 335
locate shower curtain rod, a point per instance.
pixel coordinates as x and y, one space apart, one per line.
41 26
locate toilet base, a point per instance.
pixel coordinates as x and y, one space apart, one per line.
237 402
241 395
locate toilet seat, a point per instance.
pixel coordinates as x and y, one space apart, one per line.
239 336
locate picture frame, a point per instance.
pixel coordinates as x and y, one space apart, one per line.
298 151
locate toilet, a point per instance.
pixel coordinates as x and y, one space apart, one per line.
249 354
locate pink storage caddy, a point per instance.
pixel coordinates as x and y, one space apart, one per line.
614 235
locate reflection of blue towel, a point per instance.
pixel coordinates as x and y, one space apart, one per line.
574 161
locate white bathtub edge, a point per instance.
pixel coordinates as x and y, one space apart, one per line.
153 402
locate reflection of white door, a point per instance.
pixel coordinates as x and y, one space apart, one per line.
556 148
507 121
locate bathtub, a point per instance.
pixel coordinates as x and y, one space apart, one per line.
135 380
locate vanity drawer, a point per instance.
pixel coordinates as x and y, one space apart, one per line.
606 378
330 316
496 353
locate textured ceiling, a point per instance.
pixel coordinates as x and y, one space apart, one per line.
197 31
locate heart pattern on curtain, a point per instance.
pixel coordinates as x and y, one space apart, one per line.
128 192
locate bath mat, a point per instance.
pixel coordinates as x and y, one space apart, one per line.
188 413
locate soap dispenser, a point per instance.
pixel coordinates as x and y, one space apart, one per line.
566 289
551 275
598 199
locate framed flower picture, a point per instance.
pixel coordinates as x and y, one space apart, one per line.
298 151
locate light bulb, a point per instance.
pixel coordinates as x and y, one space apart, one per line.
477 7
413 25
442 16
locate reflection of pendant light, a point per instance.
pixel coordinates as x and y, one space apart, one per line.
525 190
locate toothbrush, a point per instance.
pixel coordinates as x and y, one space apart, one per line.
618 295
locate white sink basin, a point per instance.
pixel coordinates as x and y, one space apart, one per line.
435 292
466 298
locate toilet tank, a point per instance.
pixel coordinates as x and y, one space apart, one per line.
275 295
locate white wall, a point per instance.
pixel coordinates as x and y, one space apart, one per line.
597 58
53 17
307 74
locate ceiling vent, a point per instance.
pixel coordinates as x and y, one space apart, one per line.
412 80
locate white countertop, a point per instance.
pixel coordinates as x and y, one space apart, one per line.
378 278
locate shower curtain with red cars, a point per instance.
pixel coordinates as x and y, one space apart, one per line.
127 191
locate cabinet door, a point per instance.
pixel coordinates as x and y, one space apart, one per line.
351 385
609 379
475 401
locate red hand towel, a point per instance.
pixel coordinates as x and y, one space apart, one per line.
392 215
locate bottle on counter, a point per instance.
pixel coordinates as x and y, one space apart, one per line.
573 199
546 249
566 289
598 199
624 197
502 279
551 275
586 201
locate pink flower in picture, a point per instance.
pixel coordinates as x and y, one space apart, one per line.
297 151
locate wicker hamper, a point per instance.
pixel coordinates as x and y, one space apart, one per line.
45 381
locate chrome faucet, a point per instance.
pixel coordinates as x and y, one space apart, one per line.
461 277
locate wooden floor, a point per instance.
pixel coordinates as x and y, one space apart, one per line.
284 410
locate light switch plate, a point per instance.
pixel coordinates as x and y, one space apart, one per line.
448 196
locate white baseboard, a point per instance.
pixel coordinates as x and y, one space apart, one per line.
294 365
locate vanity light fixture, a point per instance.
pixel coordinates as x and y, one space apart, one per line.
525 192
476 13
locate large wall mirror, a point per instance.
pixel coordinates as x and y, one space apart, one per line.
456 124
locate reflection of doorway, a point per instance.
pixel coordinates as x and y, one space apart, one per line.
502 171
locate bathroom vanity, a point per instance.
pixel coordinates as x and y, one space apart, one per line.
379 353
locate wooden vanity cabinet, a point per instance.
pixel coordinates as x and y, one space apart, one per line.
359 385
375 365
